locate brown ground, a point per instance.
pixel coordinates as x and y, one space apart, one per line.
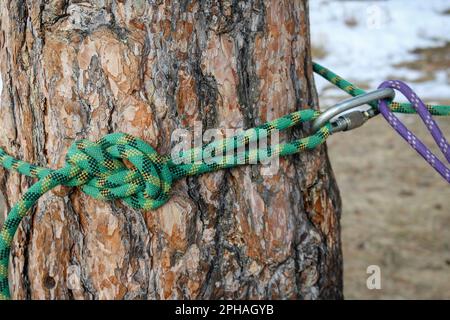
396 208
396 213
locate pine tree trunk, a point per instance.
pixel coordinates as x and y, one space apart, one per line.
74 69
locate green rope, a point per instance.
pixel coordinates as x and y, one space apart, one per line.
98 167
351 89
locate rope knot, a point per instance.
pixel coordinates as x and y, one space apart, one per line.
100 170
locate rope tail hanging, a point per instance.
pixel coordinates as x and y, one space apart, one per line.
98 167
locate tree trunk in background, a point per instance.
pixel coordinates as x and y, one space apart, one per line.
74 69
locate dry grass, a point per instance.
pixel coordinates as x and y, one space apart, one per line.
351 21
396 209
429 61
318 51
395 215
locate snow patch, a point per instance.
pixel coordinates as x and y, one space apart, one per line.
365 39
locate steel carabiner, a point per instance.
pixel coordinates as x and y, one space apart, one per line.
353 119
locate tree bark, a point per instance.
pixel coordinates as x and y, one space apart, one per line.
74 69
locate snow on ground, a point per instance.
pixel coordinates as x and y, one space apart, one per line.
363 40
395 207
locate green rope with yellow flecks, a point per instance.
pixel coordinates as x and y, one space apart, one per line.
98 167
351 89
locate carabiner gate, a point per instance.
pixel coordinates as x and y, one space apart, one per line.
354 119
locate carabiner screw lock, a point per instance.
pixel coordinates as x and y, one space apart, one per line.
353 119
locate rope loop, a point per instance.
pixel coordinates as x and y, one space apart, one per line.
426 116
121 166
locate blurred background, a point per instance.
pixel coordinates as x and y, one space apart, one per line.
396 209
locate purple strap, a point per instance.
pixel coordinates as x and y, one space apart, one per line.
409 136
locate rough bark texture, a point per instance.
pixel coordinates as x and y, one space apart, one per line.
74 69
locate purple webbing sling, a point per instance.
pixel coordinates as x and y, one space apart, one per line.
432 127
